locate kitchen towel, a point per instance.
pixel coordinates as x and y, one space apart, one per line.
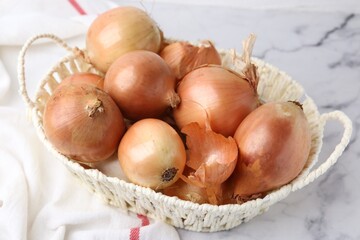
40 199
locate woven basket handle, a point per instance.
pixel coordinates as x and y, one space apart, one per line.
21 62
339 149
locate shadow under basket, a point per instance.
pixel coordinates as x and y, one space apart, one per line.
274 85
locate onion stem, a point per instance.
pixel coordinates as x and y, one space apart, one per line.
174 100
94 107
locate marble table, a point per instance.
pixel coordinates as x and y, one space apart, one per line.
320 50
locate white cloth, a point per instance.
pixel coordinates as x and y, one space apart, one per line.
4 81
39 198
21 19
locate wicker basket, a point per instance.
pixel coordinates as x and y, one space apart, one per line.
273 85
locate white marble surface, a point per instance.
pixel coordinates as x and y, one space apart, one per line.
319 49
301 5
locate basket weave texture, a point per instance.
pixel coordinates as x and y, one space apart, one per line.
274 85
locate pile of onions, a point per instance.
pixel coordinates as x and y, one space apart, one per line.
274 143
118 31
215 143
83 122
142 85
152 154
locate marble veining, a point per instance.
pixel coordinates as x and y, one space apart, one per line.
318 43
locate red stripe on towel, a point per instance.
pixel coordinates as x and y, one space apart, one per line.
77 7
144 220
135 232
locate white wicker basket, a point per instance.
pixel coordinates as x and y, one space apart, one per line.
274 85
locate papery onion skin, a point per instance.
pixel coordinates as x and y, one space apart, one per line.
211 155
84 77
215 93
152 154
83 122
274 143
118 31
182 57
142 85
187 192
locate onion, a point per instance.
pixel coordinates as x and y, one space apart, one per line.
84 77
141 84
218 94
182 57
118 31
274 144
83 122
152 154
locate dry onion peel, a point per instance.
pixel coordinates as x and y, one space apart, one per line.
187 190
182 57
243 64
212 156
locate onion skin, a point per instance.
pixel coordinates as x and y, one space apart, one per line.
274 143
141 84
215 93
118 31
211 155
152 154
187 192
89 78
182 57
83 122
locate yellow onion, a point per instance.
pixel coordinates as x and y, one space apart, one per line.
142 85
152 154
274 144
182 57
219 95
119 31
215 93
83 122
